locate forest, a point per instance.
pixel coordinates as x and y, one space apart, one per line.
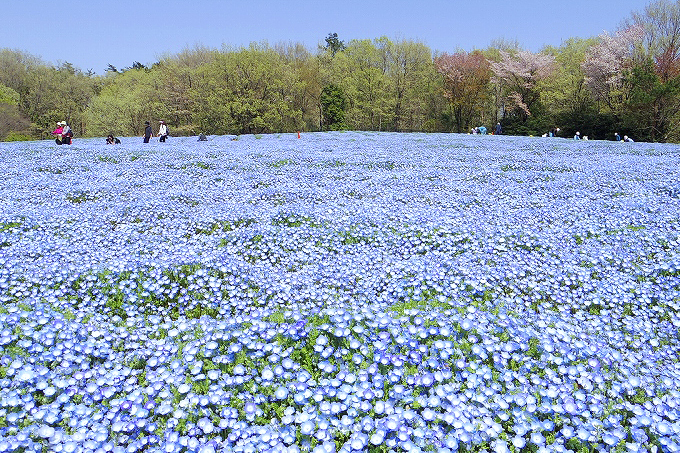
627 81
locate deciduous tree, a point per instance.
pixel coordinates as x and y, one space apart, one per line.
246 91
11 119
568 102
519 75
466 79
409 64
361 72
605 65
655 76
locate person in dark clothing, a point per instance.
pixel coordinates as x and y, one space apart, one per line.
498 130
148 132
202 138
111 140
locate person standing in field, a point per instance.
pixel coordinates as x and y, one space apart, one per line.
498 130
148 132
162 131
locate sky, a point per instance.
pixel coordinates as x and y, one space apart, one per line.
93 34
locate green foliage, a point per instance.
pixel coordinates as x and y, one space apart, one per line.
333 43
11 118
652 104
277 318
365 84
13 136
334 103
124 104
565 95
6 226
245 92
533 348
8 95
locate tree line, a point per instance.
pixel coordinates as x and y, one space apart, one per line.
626 82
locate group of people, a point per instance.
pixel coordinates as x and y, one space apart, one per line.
63 133
617 137
162 131
625 138
498 130
552 132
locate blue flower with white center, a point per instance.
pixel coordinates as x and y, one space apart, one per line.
537 438
378 437
46 432
429 415
267 374
281 393
518 441
359 441
205 425
307 428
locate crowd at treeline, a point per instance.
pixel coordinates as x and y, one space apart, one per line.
627 81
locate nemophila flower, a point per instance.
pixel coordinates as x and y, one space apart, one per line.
573 312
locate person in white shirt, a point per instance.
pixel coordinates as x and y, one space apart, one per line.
66 133
162 131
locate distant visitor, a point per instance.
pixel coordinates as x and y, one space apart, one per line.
148 132
62 133
66 134
162 131
111 140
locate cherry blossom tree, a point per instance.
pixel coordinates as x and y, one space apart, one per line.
606 63
635 73
519 74
655 79
659 25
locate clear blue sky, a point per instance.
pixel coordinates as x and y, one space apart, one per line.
91 34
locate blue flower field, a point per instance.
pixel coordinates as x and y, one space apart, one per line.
340 292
